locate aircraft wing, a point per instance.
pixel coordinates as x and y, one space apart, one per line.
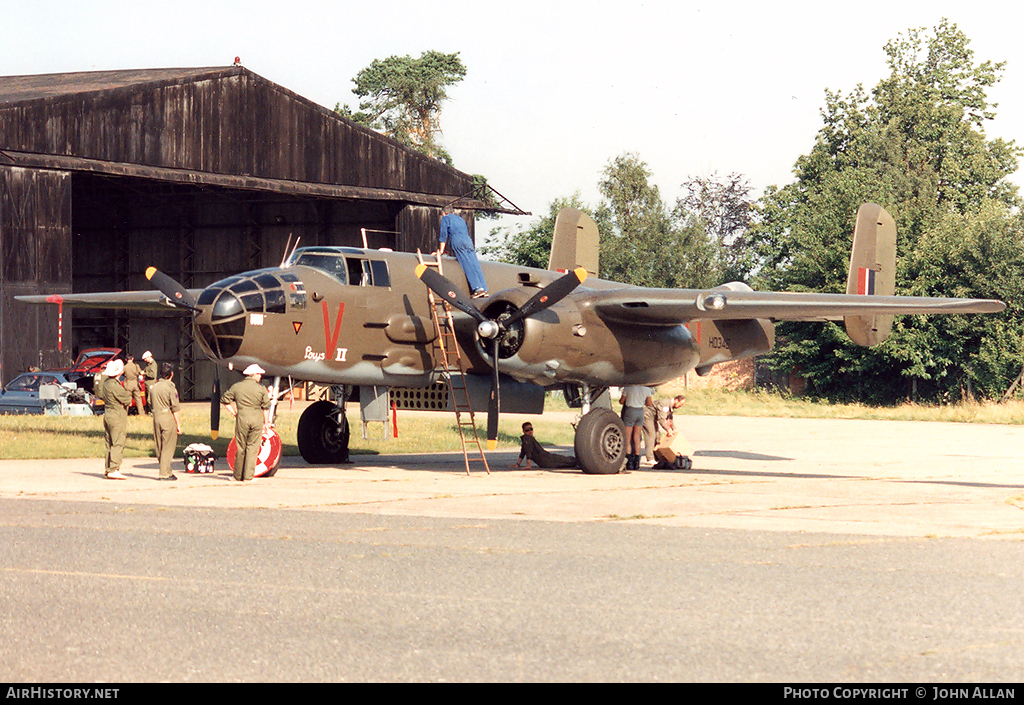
151 300
676 306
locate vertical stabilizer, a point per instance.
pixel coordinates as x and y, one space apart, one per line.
575 243
872 271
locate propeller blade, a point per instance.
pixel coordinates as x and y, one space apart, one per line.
443 287
494 402
215 407
175 292
549 295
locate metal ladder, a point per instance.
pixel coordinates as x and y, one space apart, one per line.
448 360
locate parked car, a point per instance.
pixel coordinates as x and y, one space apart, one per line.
90 361
22 394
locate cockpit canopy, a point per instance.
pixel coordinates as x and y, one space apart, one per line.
348 265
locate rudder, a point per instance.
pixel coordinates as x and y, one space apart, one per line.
872 272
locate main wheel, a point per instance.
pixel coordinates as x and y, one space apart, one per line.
323 434
600 442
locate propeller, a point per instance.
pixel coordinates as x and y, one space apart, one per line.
494 330
179 296
175 292
215 404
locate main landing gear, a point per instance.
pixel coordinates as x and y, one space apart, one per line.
600 441
323 432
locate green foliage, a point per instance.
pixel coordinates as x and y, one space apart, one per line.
915 146
531 247
642 241
403 97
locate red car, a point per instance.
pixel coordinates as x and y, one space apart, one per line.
91 361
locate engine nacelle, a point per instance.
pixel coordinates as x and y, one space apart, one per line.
568 343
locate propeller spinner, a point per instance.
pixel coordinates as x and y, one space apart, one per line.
493 330
179 296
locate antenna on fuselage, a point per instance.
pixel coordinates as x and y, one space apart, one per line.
289 249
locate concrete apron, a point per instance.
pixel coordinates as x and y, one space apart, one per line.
872 478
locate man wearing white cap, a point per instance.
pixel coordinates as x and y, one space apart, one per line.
252 413
150 373
115 417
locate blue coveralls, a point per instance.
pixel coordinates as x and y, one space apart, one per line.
456 234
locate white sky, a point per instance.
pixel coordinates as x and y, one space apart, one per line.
554 89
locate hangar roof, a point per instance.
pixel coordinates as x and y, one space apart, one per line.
219 125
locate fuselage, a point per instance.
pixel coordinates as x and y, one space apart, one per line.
339 315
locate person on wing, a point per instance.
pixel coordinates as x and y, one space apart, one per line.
455 234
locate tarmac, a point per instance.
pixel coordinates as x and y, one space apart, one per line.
852 477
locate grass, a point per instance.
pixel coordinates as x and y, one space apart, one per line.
26 437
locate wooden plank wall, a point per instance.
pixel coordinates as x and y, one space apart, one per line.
35 257
234 123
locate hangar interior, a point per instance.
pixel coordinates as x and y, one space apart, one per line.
201 173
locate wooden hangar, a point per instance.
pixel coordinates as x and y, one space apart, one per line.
199 172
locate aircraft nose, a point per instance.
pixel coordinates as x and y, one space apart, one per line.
228 305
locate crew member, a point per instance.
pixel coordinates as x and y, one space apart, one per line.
163 398
150 371
531 449
132 379
634 399
115 417
455 234
252 414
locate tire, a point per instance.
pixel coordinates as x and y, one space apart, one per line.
322 439
600 442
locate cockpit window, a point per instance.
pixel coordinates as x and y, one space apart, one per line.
347 265
329 263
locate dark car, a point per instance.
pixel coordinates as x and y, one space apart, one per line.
39 392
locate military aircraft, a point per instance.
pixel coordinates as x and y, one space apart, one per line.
351 316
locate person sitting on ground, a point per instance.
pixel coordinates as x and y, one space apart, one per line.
532 450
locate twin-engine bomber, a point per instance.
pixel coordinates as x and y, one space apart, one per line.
349 316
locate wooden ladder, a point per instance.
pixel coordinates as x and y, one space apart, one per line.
448 360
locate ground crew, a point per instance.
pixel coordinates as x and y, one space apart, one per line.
132 378
252 415
150 372
115 417
163 399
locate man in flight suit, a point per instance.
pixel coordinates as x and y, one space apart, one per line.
150 371
532 450
115 417
163 397
252 413
132 377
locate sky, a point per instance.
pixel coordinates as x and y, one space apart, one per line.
554 90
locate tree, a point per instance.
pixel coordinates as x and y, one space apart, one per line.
724 209
642 243
916 146
403 97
